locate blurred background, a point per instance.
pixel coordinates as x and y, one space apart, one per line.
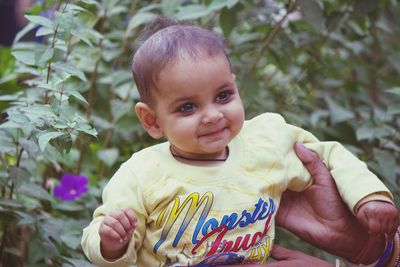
67 98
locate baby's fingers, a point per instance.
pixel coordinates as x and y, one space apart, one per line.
131 216
121 217
112 228
109 234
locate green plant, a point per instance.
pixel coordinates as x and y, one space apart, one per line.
68 97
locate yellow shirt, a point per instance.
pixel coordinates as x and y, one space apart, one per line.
192 215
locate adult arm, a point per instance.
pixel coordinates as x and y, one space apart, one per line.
319 216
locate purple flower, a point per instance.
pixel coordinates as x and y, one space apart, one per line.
71 187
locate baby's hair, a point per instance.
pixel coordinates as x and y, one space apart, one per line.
161 43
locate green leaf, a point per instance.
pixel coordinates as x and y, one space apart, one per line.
74 9
19 175
31 147
86 128
72 239
363 7
78 263
190 12
26 57
116 10
139 19
386 163
40 20
24 31
170 6
338 113
8 97
70 69
44 138
231 3
90 2
108 156
69 206
217 4
80 35
25 218
394 90
364 132
46 56
44 32
120 108
227 20
10 203
77 95
34 191
312 12
10 125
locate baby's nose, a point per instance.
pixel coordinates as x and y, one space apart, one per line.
212 115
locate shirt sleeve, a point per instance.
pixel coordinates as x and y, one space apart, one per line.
122 191
351 175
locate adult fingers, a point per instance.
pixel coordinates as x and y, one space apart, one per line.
292 258
280 253
393 228
375 226
283 264
315 166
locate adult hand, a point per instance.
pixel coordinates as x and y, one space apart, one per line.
319 216
291 258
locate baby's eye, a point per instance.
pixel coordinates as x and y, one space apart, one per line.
223 96
186 108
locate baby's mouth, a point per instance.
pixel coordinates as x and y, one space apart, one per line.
214 132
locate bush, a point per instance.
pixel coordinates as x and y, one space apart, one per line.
331 67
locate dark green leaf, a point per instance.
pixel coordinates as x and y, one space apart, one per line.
19 175
227 20
313 14
44 138
34 191
10 203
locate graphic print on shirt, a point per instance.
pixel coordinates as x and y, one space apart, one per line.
214 234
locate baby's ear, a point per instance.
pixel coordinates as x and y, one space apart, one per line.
148 119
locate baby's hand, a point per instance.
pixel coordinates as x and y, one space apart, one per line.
379 217
115 232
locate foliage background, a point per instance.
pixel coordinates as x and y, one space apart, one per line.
67 98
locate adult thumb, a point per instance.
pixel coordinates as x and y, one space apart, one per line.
280 253
314 165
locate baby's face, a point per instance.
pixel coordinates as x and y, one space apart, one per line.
198 106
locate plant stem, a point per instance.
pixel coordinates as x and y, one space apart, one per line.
3 241
92 88
268 39
46 97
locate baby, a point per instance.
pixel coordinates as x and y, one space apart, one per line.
209 194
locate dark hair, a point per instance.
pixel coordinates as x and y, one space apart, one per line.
161 43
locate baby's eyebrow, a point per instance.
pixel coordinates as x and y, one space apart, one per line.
224 85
